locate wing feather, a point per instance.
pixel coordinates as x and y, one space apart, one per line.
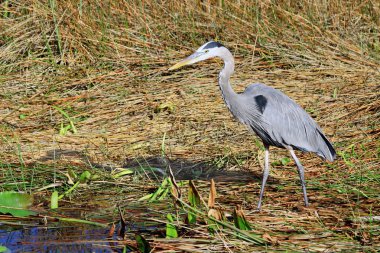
281 122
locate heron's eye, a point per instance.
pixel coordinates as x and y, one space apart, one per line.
206 51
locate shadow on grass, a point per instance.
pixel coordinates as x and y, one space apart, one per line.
183 169
193 170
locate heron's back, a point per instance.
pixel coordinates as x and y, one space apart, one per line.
280 122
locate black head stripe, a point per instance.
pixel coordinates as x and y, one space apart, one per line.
212 45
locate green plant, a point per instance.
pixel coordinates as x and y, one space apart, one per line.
64 128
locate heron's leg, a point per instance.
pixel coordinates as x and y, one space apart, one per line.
265 175
301 173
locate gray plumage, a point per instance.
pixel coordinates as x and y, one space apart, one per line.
281 122
268 112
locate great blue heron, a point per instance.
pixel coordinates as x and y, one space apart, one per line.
272 115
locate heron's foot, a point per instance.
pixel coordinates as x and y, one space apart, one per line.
258 209
306 202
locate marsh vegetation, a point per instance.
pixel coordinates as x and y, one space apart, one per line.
91 121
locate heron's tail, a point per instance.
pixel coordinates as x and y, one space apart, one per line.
328 152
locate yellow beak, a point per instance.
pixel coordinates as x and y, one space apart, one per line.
187 61
181 63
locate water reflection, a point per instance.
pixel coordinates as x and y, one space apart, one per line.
62 239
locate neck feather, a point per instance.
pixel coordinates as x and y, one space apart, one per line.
224 78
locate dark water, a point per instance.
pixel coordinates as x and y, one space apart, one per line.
71 238
62 239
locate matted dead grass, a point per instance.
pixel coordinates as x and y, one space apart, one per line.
110 74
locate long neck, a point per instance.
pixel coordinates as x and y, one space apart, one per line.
224 78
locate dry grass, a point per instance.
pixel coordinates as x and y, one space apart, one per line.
105 64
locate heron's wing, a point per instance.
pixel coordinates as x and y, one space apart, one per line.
279 121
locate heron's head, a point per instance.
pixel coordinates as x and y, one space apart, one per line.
209 50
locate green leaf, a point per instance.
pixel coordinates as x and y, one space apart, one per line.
193 195
16 204
164 194
142 244
85 176
168 106
4 249
54 200
240 220
285 161
71 125
63 130
191 217
94 177
72 173
215 215
146 197
194 200
171 230
123 172
162 191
